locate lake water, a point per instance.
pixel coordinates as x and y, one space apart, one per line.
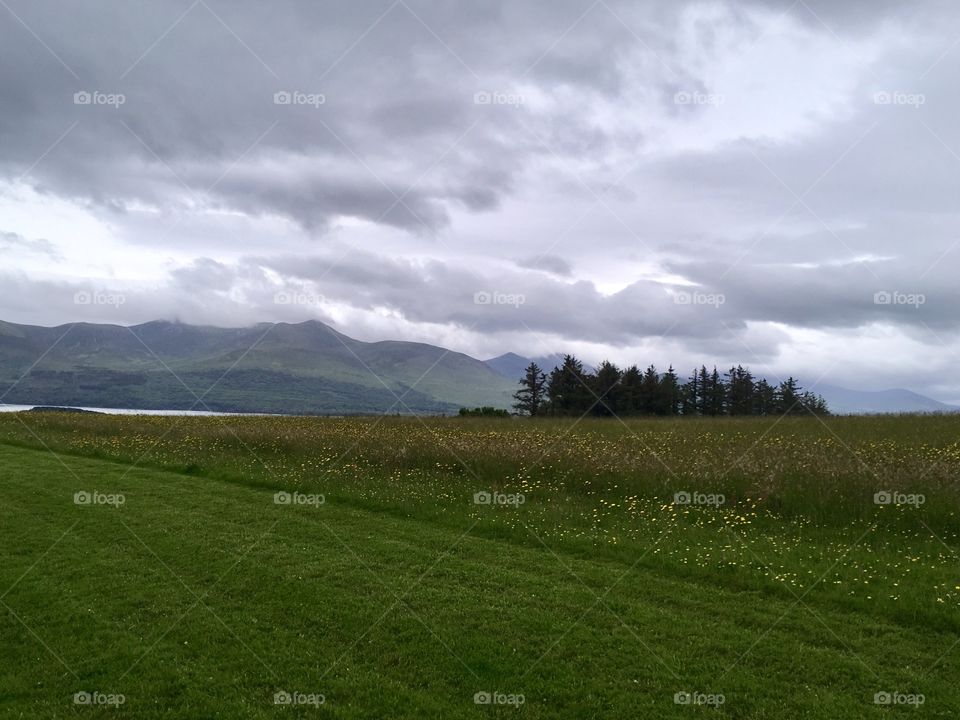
128 411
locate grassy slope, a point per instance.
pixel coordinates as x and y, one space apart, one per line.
297 598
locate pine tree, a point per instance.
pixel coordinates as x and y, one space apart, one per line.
740 391
529 398
606 384
814 403
703 398
568 389
649 391
716 394
764 398
629 390
788 398
670 393
690 394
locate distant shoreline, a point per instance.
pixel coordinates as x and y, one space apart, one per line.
4 407
56 408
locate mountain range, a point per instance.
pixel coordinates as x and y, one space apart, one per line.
278 368
303 368
512 366
843 401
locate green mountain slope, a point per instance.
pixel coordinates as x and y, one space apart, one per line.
283 368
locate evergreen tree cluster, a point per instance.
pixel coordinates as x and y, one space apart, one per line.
485 411
570 390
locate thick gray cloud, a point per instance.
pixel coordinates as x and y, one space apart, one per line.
711 179
379 92
547 263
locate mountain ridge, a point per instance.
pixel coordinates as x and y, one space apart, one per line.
305 367
511 365
843 400
297 368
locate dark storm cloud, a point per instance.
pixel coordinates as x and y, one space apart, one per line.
198 123
197 81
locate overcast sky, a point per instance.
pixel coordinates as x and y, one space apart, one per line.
770 182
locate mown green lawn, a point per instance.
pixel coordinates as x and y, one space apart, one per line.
201 597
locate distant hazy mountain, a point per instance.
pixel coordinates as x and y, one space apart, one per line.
511 365
283 368
843 401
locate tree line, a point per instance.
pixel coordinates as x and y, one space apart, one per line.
571 390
